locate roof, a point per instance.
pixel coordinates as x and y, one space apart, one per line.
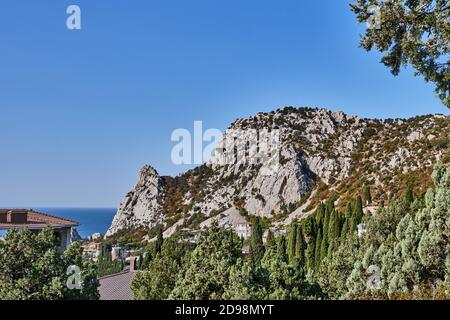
116 286
28 218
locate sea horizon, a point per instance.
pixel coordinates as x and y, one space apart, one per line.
91 219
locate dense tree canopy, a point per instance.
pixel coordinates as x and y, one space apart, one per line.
32 269
410 32
404 254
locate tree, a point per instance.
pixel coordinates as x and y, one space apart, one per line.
256 242
158 281
300 246
206 275
318 250
367 197
358 209
159 240
270 241
281 249
412 33
32 269
292 241
105 264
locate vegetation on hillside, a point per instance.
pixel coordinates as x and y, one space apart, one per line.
400 252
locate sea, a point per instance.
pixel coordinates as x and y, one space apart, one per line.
92 220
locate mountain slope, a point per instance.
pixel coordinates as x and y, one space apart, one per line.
321 153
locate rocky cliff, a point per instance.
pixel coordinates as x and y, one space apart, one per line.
143 205
319 152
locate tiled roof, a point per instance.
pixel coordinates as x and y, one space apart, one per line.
29 218
117 286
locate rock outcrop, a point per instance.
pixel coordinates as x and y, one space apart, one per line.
143 205
319 151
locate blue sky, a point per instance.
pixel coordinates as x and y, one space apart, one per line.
81 111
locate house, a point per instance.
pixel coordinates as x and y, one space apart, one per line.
91 251
119 253
231 218
29 219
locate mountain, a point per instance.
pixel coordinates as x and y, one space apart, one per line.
322 154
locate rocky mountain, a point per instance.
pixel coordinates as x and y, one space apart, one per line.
143 205
319 153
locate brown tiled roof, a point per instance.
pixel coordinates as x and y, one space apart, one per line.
116 286
28 218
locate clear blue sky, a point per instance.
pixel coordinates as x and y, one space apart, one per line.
82 111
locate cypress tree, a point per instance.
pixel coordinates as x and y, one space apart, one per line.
344 230
300 246
349 212
270 241
159 240
331 226
320 213
325 228
366 194
256 242
281 249
337 225
323 249
409 196
318 250
310 256
358 209
292 241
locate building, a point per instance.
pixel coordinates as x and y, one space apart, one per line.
119 253
91 251
231 218
29 219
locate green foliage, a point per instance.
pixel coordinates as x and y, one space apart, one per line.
32 269
105 264
412 33
158 280
292 241
207 273
256 242
323 257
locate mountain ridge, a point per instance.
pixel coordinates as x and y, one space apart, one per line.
321 153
